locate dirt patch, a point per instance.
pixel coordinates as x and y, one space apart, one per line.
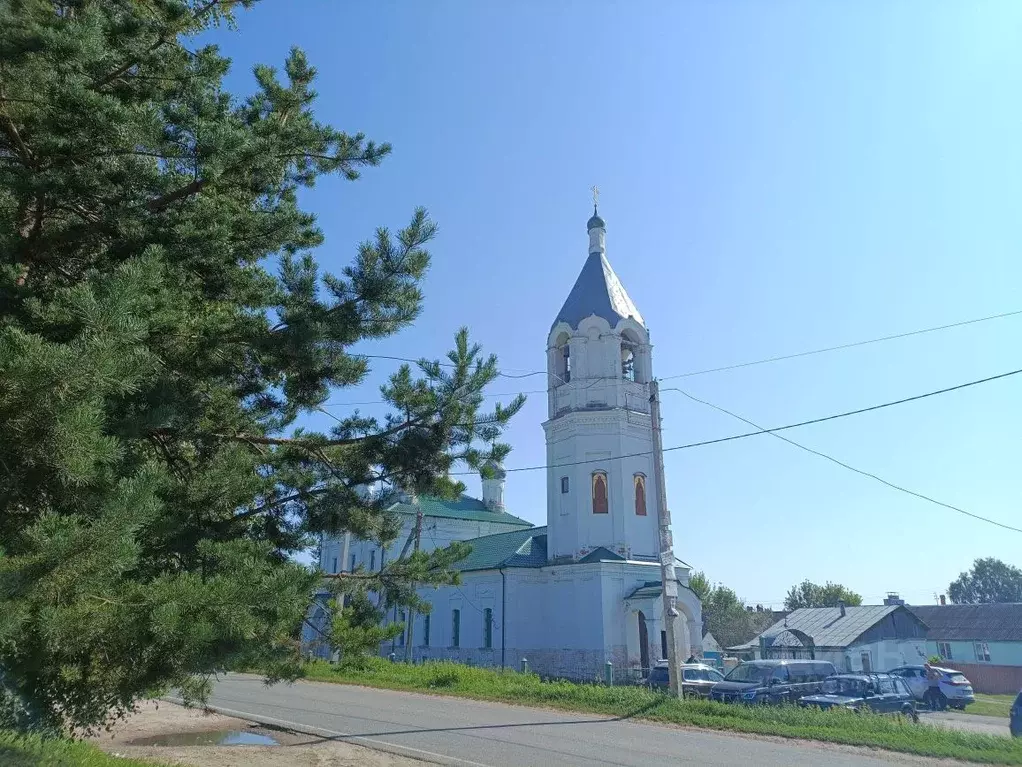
161 719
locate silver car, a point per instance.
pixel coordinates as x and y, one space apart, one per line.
951 689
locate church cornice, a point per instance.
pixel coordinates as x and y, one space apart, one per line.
594 417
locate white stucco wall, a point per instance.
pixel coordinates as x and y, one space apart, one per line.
566 620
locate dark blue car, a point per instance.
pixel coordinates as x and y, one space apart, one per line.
882 693
1015 723
772 681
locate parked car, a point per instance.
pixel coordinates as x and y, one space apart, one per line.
772 681
882 693
952 690
1015 722
696 678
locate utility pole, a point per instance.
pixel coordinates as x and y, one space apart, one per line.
667 579
411 612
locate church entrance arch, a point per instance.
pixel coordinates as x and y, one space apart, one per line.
643 644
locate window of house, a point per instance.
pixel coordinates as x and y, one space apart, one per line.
372 559
455 628
867 661
404 628
334 569
564 484
983 652
352 568
425 631
640 495
566 362
487 628
944 650
663 644
600 502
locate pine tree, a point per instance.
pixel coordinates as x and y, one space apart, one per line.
163 328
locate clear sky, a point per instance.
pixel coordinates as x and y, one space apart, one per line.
775 177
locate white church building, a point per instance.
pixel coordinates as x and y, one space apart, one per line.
584 589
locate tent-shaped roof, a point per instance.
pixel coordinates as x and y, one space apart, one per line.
597 291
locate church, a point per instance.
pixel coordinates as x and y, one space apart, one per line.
585 589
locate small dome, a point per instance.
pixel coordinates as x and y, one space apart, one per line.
595 222
498 470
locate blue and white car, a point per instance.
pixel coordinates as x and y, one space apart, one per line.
951 689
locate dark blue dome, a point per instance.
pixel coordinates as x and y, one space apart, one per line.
595 222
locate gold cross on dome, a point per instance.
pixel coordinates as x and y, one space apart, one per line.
596 195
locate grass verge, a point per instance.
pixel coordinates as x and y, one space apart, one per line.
991 705
33 751
844 727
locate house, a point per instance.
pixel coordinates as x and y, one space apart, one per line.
982 641
585 589
864 638
712 651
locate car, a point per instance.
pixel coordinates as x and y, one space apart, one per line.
696 678
882 693
1015 720
772 681
952 688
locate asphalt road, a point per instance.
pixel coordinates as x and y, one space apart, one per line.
470 733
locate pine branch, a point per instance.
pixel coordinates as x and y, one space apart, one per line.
163 201
163 39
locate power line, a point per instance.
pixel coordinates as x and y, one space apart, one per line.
861 471
845 346
759 431
707 371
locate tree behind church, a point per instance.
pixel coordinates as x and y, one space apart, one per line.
163 328
725 614
809 594
988 581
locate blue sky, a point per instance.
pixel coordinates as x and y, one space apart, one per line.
775 177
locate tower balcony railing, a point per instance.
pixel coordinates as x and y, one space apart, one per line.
600 395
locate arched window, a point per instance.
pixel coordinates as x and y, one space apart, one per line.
627 363
634 358
640 495
562 359
600 502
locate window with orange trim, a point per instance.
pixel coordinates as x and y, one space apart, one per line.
640 495
600 501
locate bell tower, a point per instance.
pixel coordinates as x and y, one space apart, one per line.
600 489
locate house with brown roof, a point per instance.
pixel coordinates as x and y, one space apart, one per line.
982 641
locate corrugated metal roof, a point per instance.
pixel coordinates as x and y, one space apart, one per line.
518 548
967 623
597 291
826 625
465 507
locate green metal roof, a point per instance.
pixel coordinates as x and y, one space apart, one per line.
652 589
464 507
648 589
518 548
601 554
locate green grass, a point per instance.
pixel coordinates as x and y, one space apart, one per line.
991 705
34 751
892 733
